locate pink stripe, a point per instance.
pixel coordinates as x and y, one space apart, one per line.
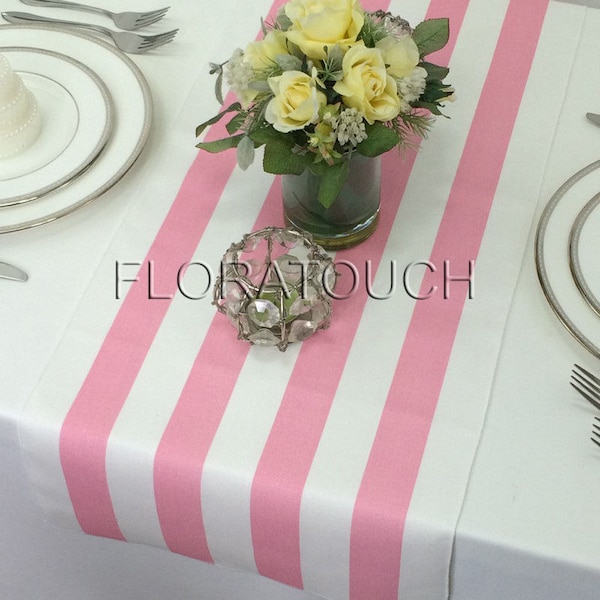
392 469
291 446
86 429
182 451
292 443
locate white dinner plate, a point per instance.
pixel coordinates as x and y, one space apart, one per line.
583 253
132 105
567 244
77 118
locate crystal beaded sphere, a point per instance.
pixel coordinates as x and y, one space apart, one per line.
275 287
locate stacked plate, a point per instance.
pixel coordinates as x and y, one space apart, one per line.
96 111
567 256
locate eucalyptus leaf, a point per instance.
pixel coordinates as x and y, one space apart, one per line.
219 88
236 106
287 62
220 145
245 153
259 86
431 35
283 21
335 56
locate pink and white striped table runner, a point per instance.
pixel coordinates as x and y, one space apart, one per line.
339 466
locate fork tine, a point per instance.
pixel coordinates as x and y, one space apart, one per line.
593 377
585 394
596 432
588 389
159 11
588 385
150 18
152 44
168 35
147 21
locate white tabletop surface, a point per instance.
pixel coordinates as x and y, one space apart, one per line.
527 528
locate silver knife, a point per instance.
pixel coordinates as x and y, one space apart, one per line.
595 119
11 272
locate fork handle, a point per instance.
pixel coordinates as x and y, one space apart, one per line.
22 17
65 4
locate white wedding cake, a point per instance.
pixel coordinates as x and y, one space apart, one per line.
20 121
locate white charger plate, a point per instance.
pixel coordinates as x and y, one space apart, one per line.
77 118
132 105
567 224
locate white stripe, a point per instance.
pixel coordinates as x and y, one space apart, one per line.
141 424
236 451
458 421
346 441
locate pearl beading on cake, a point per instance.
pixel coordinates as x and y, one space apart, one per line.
20 121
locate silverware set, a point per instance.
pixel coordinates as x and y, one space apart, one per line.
126 41
588 385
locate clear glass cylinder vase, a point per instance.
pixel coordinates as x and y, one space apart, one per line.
353 215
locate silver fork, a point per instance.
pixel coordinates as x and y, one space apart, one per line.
123 20
587 384
596 431
132 43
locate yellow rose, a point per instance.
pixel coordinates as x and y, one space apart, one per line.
400 54
367 86
296 103
262 54
319 23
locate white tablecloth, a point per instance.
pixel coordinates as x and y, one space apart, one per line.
523 529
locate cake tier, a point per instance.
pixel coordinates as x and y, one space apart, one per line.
10 83
16 112
20 121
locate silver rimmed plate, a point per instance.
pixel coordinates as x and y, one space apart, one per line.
132 105
567 212
77 119
584 257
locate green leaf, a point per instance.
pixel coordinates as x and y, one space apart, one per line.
236 122
435 92
279 158
265 134
380 139
430 106
434 72
220 145
333 178
431 35
234 107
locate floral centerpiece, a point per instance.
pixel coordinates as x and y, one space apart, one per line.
329 81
